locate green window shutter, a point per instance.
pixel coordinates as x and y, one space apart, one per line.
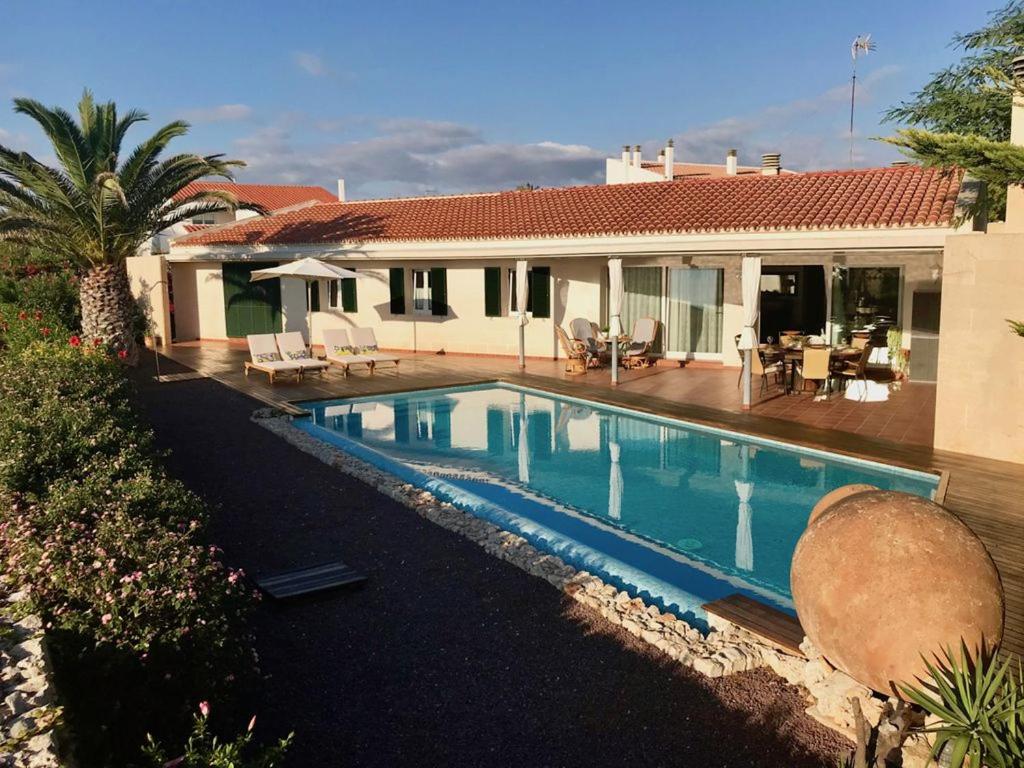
348 295
313 296
439 291
396 279
492 291
540 291
332 294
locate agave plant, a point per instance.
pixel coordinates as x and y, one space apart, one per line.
95 208
979 707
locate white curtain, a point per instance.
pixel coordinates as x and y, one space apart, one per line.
751 301
522 291
615 295
744 537
695 310
614 482
641 295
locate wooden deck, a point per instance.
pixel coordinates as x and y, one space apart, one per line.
773 625
987 495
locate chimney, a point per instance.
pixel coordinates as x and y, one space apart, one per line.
670 160
637 156
341 190
730 163
625 154
1015 193
771 163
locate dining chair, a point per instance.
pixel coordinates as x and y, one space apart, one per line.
815 367
855 370
761 367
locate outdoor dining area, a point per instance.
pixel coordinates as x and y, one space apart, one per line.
819 367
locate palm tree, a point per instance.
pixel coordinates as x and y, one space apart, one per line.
95 209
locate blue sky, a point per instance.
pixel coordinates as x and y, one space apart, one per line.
424 97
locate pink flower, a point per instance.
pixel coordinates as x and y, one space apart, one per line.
204 708
74 341
106 618
44 331
39 315
122 354
23 315
97 342
252 724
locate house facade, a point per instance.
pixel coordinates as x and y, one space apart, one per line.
841 251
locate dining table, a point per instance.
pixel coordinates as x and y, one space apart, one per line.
793 355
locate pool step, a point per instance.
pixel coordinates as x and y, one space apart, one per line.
778 628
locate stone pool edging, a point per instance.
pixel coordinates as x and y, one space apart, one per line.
726 650
31 734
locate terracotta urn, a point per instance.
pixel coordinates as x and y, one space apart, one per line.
882 578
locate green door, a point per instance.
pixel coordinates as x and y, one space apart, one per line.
250 307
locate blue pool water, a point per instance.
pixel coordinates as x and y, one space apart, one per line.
677 513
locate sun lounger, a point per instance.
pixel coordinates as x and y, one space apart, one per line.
583 332
366 340
340 352
293 349
266 357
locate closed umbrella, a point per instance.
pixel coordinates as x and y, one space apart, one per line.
614 475
615 297
744 536
308 270
523 452
522 289
751 290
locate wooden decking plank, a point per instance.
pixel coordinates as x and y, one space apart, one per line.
779 628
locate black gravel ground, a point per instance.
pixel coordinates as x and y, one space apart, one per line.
447 656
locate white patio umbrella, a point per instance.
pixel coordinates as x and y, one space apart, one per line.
751 290
615 297
523 452
615 486
522 289
308 270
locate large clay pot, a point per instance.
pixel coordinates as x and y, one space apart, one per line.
835 496
882 578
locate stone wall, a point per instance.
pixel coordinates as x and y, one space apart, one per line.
727 649
979 406
31 719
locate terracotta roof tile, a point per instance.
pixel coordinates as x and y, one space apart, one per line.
273 197
879 197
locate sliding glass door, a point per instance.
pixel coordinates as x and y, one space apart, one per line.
642 288
694 312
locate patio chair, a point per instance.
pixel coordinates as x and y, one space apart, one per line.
293 349
855 370
816 367
577 356
339 350
759 366
265 357
637 354
583 332
366 341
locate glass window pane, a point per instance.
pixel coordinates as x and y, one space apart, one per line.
695 300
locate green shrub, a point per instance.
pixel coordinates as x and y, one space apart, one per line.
35 281
21 328
63 411
204 750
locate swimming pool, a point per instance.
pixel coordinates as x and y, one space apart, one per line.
677 513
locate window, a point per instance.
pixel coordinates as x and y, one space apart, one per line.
205 218
396 283
421 292
313 296
492 291
430 291
538 291
341 294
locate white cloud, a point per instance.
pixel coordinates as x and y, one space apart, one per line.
220 114
310 63
809 132
412 156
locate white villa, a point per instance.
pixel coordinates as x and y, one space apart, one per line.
840 250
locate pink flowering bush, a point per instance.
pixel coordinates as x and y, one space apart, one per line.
205 750
21 328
